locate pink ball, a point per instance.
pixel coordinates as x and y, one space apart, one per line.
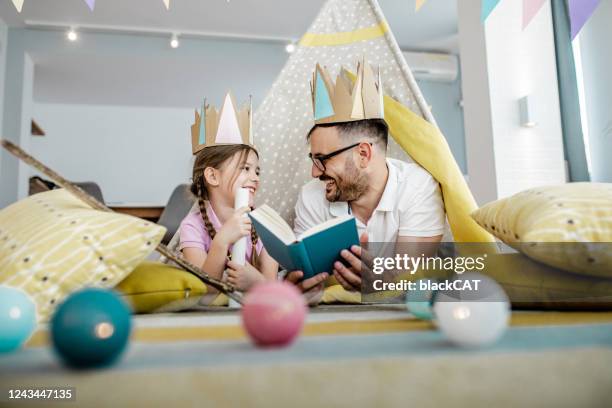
273 313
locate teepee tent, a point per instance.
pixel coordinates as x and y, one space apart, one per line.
343 33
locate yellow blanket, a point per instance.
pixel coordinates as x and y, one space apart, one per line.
428 147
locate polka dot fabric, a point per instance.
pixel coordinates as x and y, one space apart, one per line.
285 116
52 244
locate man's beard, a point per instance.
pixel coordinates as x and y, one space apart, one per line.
349 186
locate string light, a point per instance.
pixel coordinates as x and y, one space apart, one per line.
72 35
174 42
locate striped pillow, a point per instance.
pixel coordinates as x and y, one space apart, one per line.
52 244
567 226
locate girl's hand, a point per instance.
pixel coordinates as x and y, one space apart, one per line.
238 226
243 277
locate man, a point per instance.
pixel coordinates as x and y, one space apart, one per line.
392 201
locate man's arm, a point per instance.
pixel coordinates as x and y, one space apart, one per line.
421 227
357 258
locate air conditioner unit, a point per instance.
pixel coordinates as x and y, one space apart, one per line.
427 66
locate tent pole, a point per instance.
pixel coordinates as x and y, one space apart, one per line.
412 84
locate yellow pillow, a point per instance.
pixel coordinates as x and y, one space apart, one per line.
428 147
337 294
52 244
541 221
534 285
157 287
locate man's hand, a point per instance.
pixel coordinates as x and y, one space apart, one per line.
312 288
350 277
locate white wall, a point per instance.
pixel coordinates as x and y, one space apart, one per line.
479 152
86 112
135 154
518 63
597 65
523 63
3 41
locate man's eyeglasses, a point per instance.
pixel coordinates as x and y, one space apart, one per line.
319 159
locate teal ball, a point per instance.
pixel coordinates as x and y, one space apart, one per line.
419 301
17 318
91 328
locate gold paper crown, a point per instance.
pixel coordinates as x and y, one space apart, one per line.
230 126
344 101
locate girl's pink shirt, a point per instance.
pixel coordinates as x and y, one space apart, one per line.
193 233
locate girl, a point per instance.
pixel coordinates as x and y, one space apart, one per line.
208 232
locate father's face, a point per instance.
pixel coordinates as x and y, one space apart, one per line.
344 181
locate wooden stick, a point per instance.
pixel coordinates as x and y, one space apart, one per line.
221 286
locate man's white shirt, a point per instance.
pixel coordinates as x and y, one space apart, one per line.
411 205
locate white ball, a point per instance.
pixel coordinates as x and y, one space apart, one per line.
473 318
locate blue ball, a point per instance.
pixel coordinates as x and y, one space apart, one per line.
91 328
419 301
17 318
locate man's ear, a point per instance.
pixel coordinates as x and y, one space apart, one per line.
211 176
365 151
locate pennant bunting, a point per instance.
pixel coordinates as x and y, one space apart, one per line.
91 4
18 5
530 10
167 4
580 11
419 4
487 7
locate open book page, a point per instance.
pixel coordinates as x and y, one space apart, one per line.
275 223
326 225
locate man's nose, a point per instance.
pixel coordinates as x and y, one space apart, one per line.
315 172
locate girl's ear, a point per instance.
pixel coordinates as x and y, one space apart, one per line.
211 176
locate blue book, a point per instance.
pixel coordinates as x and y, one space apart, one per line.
315 251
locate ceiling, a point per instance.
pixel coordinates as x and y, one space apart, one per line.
283 19
63 77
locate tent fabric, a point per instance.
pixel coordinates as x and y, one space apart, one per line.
343 33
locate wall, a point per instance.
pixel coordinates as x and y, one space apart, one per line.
135 154
445 99
518 63
16 117
479 150
139 153
3 41
3 45
523 63
245 67
597 65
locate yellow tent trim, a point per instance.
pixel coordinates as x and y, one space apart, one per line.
343 327
348 37
427 146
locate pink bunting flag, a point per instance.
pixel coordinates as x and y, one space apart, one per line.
530 10
580 11
91 4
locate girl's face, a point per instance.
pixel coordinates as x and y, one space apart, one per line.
234 174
